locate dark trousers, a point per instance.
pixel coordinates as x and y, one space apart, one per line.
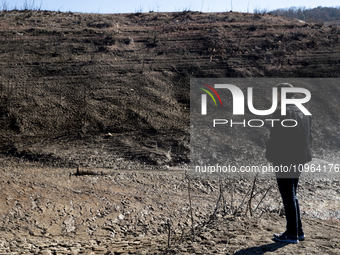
287 188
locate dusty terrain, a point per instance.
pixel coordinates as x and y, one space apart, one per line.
111 93
47 211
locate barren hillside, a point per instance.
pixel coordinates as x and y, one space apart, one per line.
69 79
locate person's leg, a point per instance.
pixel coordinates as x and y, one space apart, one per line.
288 193
299 226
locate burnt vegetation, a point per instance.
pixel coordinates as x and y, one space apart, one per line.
67 78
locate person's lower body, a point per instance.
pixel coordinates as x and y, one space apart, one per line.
294 231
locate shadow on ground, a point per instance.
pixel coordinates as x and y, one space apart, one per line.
262 249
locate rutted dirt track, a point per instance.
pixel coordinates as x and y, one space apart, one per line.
111 92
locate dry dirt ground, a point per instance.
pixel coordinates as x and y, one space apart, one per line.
111 92
46 210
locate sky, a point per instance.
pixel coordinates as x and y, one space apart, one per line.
132 6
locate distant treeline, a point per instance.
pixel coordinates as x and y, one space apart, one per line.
315 14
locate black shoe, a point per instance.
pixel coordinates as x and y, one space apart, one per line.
286 238
302 237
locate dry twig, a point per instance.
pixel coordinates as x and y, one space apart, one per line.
190 209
